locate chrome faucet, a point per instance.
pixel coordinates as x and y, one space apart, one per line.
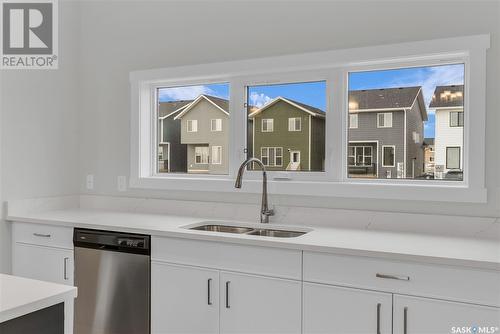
265 212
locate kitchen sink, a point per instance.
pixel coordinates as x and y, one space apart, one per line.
223 228
263 232
276 233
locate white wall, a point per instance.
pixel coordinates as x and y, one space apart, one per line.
142 35
39 132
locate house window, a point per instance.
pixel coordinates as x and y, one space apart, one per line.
294 124
388 158
403 108
456 119
216 155
353 121
360 155
201 154
295 113
271 156
384 120
192 125
216 125
452 157
267 125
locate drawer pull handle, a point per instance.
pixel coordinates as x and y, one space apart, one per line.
378 317
41 235
227 294
405 320
66 268
396 277
209 283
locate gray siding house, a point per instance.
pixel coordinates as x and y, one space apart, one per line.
172 154
386 133
204 130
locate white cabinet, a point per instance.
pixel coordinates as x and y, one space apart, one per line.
332 309
184 299
414 315
43 263
256 304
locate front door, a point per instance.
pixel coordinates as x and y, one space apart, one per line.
295 157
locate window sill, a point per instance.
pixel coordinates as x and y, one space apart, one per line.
459 193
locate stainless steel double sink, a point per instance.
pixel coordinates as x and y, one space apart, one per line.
264 232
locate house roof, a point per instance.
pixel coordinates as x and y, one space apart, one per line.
301 106
167 109
221 104
386 99
448 96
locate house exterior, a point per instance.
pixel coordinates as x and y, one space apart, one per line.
429 155
172 154
386 132
204 129
448 104
288 135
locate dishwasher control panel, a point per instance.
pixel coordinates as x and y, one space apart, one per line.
112 241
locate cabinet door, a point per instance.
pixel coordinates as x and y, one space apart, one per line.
43 263
331 309
413 315
184 299
255 304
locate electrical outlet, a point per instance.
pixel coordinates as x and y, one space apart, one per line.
122 183
90 181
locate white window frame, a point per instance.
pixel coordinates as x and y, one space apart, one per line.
269 126
458 119
333 67
218 125
267 149
387 117
353 121
459 157
393 153
219 154
207 156
194 125
292 124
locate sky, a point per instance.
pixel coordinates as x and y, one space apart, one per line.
314 93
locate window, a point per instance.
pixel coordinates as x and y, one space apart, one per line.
334 84
406 107
216 125
452 157
185 114
295 113
267 125
216 155
294 124
271 156
384 120
388 159
201 154
192 125
353 121
456 119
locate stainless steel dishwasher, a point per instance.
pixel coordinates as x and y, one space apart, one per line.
112 273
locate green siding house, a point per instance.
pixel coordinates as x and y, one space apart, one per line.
288 135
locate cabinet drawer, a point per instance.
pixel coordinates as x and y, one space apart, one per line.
43 235
412 278
265 261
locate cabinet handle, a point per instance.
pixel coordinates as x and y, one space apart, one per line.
209 283
66 268
405 320
396 277
378 317
41 235
227 294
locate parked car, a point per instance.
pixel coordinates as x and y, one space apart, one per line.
454 174
426 176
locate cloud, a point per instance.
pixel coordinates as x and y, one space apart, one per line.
183 93
259 100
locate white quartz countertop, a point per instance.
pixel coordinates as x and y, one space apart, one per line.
473 252
20 296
